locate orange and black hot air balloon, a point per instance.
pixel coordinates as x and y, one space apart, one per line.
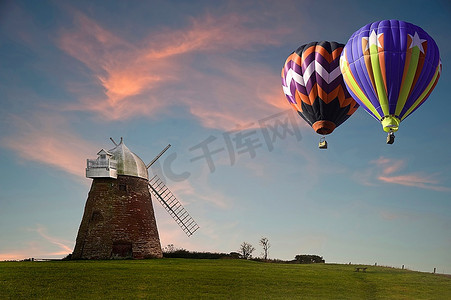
314 86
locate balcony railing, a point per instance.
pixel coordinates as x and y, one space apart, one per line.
101 163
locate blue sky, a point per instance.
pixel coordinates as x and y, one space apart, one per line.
203 73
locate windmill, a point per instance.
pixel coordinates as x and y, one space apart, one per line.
119 220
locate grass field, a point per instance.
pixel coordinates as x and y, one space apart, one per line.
212 279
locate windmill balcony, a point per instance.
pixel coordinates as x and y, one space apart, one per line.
100 168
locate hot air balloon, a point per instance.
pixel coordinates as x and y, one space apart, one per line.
313 85
390 67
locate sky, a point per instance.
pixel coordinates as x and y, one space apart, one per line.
203 76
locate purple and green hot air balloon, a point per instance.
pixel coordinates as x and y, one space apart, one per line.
390 67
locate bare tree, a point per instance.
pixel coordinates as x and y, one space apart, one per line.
246 250
170 248
264 242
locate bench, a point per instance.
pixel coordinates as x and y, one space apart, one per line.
361 268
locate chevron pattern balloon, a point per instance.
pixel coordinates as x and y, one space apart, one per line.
390 67
313 85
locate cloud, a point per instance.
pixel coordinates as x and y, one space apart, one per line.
43 246
384 172
365 177
392 216
239 95
416 180
187 191
195 66
46 139
65 246
209 66
16 255
387 165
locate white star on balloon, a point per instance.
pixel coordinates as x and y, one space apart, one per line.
373 40
416 41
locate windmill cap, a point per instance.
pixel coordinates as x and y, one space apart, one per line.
128 163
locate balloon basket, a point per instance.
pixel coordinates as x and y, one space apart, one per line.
390 138
322 143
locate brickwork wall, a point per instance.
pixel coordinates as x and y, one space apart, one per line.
118 221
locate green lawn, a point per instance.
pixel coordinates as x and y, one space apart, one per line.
213 279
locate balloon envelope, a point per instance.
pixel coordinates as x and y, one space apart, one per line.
313 84
390 67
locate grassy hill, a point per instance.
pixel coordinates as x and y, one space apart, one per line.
213 279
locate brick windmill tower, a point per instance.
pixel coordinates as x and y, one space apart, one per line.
119 220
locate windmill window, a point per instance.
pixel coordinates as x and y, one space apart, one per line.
96 216
123 187
102 156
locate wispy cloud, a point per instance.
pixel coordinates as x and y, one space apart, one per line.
186 190
65 247
392 215
416 180
43 245
239 95
388 166
383 170
192 66
16 255
196 66
47 139
190 191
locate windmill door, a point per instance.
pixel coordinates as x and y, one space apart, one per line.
122 249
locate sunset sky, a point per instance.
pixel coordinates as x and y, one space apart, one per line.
203 76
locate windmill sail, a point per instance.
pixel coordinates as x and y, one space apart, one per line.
172 205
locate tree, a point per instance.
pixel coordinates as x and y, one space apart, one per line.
309 259
246 250
170 248
264 242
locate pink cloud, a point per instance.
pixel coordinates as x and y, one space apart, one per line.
165 70
388 165
389 216
47 139
212 33
365 176
384 172
237 97
65 246
46 247
392 215
415 180
202 192
149 77
17 255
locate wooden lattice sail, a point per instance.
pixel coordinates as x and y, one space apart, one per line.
172 205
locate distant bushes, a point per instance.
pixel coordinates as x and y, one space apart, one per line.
170 251
182 253
272 260
299 259
308 259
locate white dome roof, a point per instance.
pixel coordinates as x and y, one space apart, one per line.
128 163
